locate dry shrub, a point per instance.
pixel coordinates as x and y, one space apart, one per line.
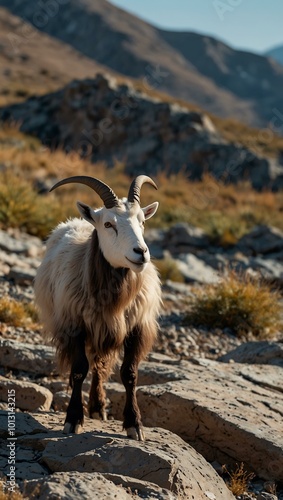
238 302
9 495
239 479
16 313
223 230
225 212
269 144
31 311
22 207
5 494
168 270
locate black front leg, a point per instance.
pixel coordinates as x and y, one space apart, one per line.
129 375
79 369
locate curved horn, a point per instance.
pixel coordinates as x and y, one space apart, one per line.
105 192
135 188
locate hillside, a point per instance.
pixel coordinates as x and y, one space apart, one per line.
34 62
250 77
103 120
194 67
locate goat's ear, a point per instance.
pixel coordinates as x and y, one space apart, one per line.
150 210
87 212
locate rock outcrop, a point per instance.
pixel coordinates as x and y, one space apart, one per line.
193 66
105 463
112 121
226 411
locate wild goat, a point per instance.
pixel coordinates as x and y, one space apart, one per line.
98 291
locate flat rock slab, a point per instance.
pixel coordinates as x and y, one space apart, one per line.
162 467
39 359
194 269
26 424
228 412
84 485
10 244
22 276
263 352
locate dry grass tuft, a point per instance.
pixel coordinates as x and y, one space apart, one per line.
16 313
239 479
240 303
9 495
224 212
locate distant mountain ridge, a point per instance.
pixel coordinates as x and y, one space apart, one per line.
197 68
276 53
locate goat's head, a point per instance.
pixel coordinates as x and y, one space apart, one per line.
120 223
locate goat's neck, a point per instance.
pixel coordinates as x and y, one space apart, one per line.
116 286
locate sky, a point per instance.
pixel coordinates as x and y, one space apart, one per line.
255 25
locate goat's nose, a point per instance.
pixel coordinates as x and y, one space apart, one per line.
140 251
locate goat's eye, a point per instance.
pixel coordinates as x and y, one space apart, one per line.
108 224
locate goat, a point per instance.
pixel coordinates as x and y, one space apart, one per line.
98 291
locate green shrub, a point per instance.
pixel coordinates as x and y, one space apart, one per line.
237 302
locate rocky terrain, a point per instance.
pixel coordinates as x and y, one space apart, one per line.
208 398
107 121
259 251
195 67
211 400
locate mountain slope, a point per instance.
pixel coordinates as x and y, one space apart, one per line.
34 62
132 47
194 67
250 77
245 74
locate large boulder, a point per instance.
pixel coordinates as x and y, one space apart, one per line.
162 467
261 240
85 485
183 238
118 122
218 408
